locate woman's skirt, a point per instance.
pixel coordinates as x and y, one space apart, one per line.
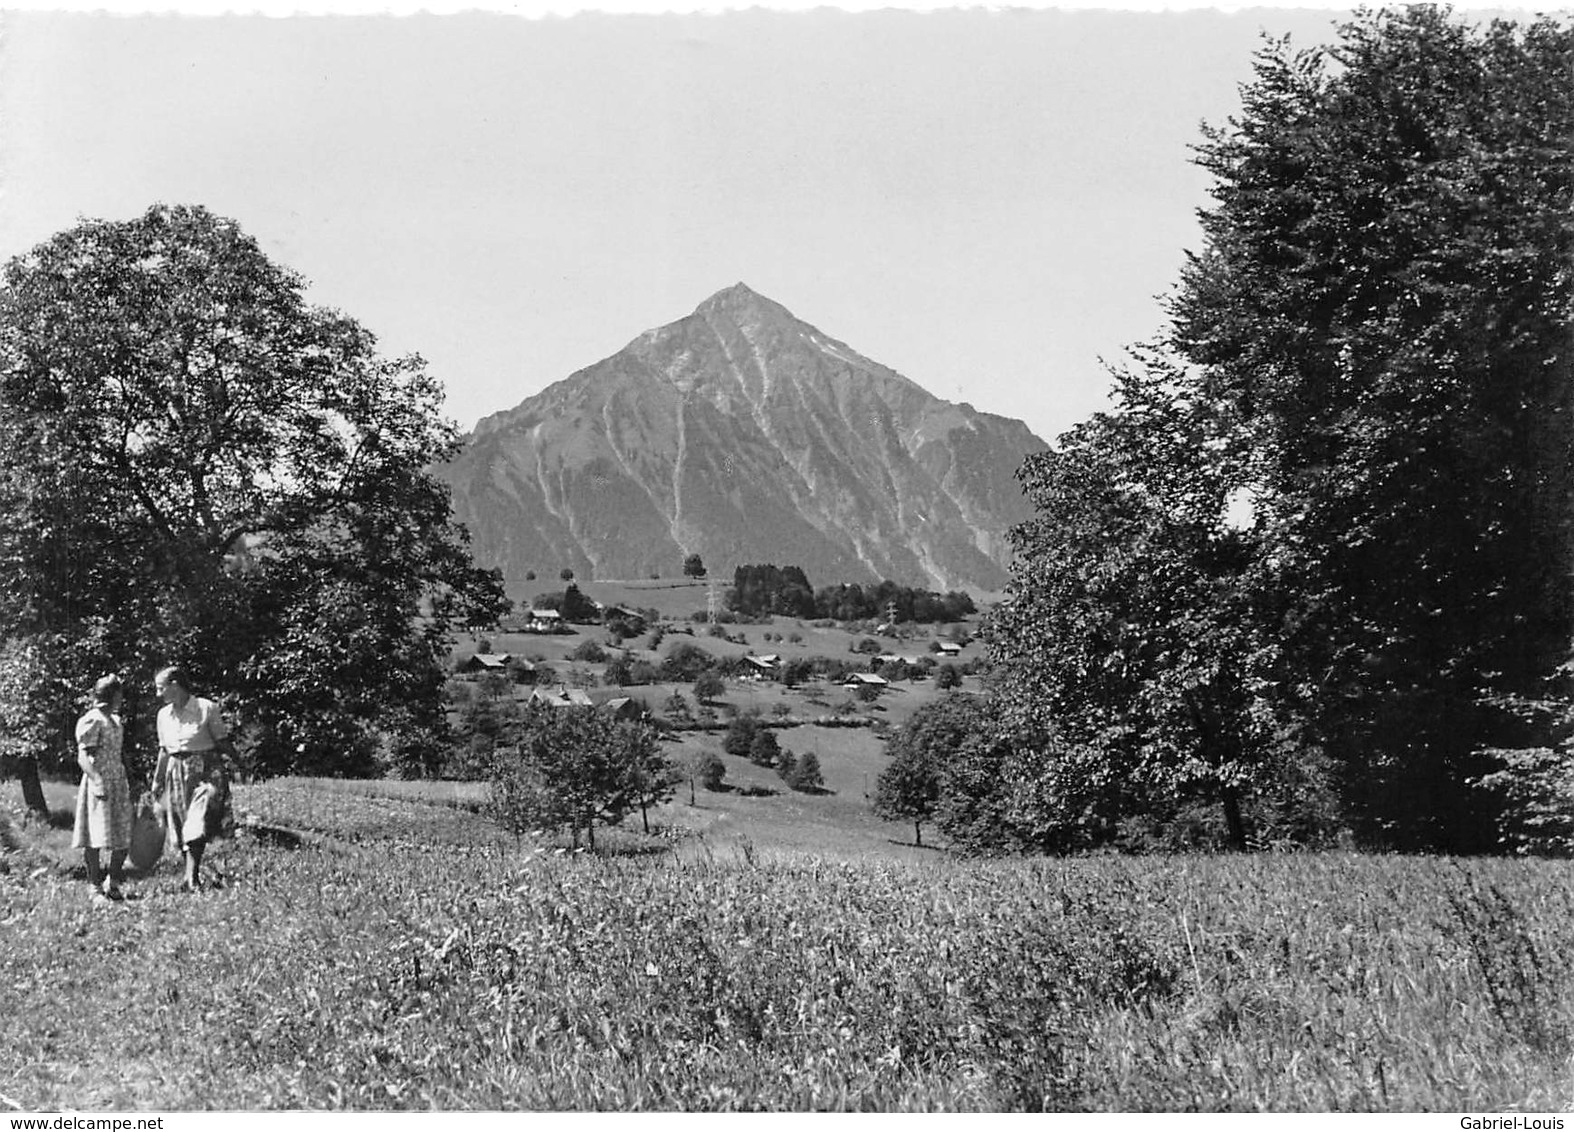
194 796
103 813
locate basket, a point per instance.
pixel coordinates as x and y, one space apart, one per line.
147 836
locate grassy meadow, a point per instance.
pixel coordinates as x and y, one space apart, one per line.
382 945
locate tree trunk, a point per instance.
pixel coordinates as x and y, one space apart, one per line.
1232 817
644 816
32 788
590 832
918 834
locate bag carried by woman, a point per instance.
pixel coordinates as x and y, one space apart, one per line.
147 835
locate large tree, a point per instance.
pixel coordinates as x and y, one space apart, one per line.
203 468
1132 629
1383 306
1373 348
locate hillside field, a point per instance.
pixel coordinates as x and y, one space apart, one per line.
382 945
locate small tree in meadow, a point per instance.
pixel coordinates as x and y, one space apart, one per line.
786 765
948 676
712 771
575 766
764 750
708 686
589 652
806 776
618 672
740 735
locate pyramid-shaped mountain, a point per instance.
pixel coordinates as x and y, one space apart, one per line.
747 436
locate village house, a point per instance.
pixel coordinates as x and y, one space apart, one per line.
761 667
544 621
624 707
488 662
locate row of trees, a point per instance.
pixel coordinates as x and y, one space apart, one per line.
199 467
1313 569
762 590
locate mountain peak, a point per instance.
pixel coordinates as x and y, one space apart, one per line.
744 434
740 296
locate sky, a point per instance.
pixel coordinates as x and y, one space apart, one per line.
987 201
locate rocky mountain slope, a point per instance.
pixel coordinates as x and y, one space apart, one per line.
747 436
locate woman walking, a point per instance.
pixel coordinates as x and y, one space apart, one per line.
193 744
103 813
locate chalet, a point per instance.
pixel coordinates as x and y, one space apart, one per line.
948 648
854 679
544 621
624 707
761 666
489 662
561 697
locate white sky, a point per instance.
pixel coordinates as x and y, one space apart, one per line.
984 201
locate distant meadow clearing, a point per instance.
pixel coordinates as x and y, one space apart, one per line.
383 945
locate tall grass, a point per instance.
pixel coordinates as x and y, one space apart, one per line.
417 968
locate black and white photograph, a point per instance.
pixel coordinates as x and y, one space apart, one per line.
786 559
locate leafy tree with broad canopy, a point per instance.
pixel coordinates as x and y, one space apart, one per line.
199 467
1372 350
575 766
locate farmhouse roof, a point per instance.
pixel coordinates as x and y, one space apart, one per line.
561 697
864 678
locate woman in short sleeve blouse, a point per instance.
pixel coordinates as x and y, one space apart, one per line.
103 810
193 745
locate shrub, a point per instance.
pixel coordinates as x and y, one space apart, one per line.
712 771
764 750
740 735
589 652
618 672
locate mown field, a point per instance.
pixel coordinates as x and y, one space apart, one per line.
379 945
